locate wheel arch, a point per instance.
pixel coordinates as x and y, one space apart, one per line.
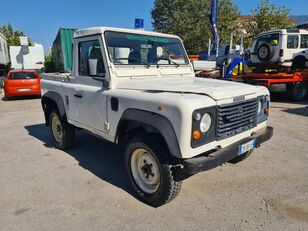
135 120
52 100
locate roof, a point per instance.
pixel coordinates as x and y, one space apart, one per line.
285 31
100 30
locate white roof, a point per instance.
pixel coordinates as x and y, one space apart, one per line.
100 30
286 31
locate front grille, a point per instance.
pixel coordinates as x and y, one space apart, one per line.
236 118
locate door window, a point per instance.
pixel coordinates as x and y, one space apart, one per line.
304 41
91 59
292 42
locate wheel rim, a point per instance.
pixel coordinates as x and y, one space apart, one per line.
263 52
145 170
56 128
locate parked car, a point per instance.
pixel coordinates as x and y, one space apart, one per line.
280 49
22 83
138 89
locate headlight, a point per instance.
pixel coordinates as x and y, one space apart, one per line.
259 106
205 122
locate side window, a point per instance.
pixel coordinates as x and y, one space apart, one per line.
304 41
90 59
292 42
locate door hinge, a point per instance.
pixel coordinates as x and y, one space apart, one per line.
107 126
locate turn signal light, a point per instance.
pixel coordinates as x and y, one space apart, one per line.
196 135
266 111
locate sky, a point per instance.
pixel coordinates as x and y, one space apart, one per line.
41 19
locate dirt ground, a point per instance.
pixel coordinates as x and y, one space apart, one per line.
42 188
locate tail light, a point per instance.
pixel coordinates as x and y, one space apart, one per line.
280 52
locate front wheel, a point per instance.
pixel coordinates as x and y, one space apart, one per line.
62 132
154 180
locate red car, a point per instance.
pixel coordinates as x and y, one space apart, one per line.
22 83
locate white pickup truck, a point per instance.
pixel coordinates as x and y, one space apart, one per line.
138 88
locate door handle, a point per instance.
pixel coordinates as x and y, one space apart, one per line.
78 95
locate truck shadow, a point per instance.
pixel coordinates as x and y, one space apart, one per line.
102 158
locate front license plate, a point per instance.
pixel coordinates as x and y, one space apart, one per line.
24 89
246 147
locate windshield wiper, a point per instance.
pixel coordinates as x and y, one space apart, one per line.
169 60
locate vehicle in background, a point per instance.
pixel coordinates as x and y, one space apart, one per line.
280 49
4 58
138 89
61 50
27 57
22 83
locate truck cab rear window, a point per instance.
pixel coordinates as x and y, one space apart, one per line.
23 75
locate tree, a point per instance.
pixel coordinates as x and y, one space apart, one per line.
268 16
189 19
11 35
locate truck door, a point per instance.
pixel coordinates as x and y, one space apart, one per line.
89 97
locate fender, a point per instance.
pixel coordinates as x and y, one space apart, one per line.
57 99
161 123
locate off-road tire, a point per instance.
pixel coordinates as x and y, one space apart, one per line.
241 157
270 52
170 176
297 91
68 131
298 63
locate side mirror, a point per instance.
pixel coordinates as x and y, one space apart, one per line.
93 67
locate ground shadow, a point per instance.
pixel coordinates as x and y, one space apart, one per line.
20 98
102 158
303 111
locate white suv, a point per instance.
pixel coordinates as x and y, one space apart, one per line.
280 48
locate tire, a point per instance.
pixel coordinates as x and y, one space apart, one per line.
265 52
240 158
62 132
298 63
297 91
153 178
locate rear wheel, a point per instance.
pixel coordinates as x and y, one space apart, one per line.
297 91
154 179
62 132
298 63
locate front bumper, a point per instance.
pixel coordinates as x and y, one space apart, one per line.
221 156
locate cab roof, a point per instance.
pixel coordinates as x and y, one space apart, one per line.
285 31
100 30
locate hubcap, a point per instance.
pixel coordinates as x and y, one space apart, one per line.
263 52
145 170
56 128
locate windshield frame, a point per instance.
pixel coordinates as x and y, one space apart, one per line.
172 62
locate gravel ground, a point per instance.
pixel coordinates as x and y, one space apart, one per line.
42 188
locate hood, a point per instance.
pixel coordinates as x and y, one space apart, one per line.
216 89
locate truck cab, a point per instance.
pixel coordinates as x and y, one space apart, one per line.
138 88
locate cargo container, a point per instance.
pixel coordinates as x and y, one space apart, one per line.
61 50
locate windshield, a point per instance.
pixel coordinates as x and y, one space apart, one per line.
23 75
134 49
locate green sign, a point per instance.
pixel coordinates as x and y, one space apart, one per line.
147 38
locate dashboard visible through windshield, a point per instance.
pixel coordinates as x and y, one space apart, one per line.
136 49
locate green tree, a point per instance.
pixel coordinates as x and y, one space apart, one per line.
189 19
11 35
268 16
49 63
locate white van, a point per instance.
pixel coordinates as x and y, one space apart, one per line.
280 48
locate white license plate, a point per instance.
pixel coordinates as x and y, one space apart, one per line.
246 147
23 89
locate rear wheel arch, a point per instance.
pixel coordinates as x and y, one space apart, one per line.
50 101
299 61
135 121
